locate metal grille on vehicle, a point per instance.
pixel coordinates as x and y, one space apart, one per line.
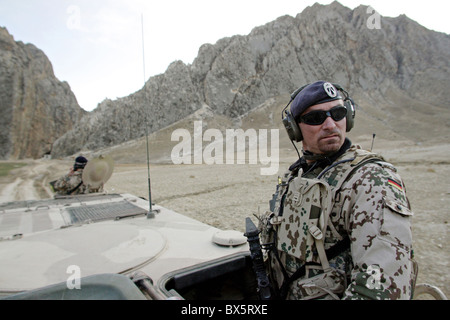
103 211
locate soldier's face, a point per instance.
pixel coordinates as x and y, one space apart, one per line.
327 137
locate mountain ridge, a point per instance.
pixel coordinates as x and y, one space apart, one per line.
397 74
239 73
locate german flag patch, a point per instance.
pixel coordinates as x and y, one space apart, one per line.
395 184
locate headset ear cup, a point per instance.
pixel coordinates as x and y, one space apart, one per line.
350 113
292 128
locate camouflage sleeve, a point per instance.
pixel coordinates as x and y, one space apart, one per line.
61 184
378 221
67 183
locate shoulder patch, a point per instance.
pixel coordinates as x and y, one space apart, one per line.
395 184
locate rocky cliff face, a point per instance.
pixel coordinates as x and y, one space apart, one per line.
36 108
400 59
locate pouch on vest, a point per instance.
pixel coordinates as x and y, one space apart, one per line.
301 231
331 283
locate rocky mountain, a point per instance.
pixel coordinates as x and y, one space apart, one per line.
36 108
397 72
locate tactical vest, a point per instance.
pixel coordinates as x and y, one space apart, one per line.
293 233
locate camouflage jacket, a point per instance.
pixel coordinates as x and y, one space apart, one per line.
369 207
72 184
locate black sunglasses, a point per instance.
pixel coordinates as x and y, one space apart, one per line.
317 117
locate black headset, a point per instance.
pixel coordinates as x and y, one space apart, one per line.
292 127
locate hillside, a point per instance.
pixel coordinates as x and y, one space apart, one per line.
397 75
36 108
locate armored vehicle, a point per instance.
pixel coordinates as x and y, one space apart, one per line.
108 246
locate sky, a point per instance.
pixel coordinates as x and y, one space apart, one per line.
108 48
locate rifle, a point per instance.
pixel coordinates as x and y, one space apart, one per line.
252 234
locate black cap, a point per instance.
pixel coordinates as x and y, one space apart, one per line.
80 163
315 93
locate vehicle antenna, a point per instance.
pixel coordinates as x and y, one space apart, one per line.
151 213
373 140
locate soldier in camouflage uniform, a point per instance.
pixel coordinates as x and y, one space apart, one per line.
339 225
72 183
